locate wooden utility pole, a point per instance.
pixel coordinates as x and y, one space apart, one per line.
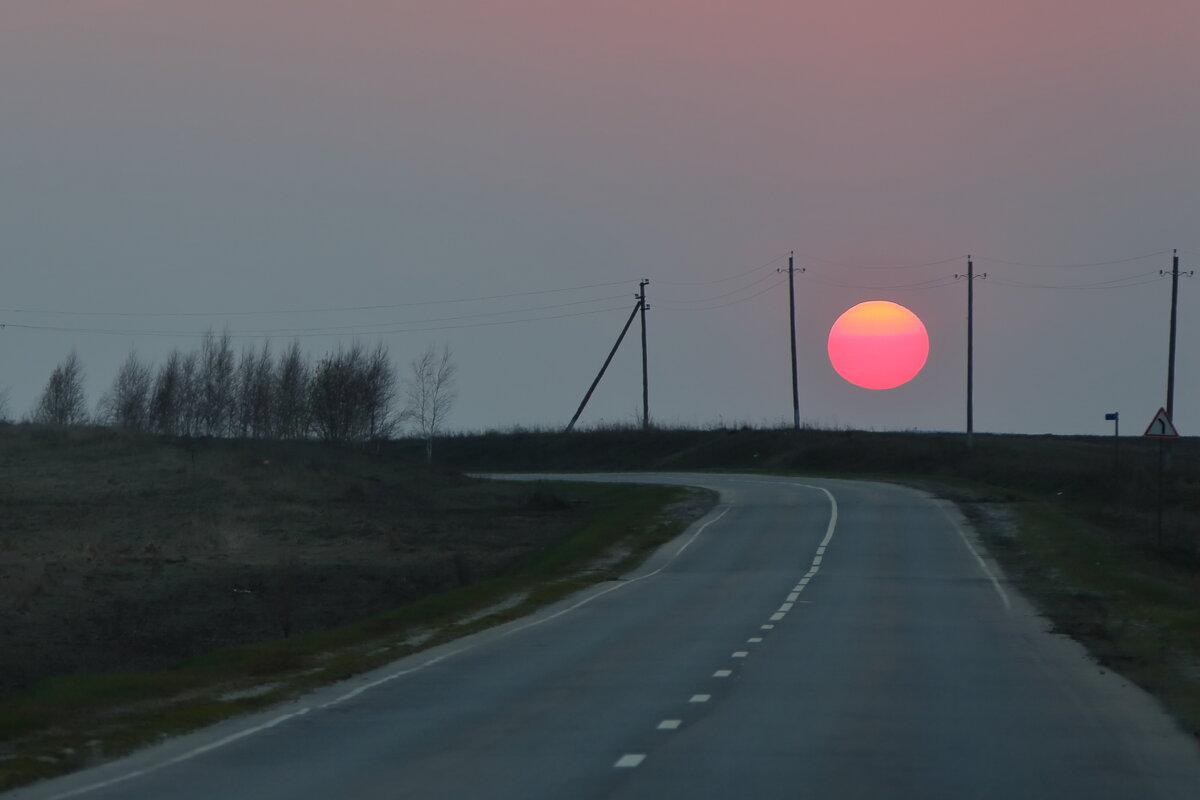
970 350
1171 341
636 308
645 374
971 276
792 315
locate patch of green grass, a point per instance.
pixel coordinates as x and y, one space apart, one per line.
45 731
1134 609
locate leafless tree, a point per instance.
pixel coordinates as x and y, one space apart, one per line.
262 397
352 395
174 400
379 394
5 404
254 395
291 394
63 401
165 398
216 384
127 402
430 392
190 399
333 397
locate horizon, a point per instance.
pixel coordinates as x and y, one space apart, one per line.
498 177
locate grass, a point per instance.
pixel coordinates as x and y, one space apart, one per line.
1083 544
1084 541
1137 610
66 722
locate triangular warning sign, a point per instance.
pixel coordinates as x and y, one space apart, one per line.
1161 427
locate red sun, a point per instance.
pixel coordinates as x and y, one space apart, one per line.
878 345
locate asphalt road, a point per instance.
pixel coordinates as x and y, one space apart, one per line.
807 639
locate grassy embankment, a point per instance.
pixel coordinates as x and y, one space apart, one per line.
149 587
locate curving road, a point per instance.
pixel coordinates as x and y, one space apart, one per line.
807 639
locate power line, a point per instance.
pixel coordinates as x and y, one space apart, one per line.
307 310
932 283
730 293
357 332
759 293
368 326
1115 283
831 262
1072 266
733 277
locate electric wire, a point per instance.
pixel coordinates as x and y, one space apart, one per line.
366 327
692 304
734 277
331 309
681 302
1116 283
885 268
992 260
411 327
932 283
779 282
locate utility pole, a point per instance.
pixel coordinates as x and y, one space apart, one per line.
645 375
791 271
970 276
1175 273
637 307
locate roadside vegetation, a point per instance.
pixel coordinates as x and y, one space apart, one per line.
151 584
1076 521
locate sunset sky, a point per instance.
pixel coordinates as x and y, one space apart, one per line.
271 165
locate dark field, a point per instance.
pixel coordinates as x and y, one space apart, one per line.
1117 488
122 552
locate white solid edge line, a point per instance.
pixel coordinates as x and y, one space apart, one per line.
982 564
378 682
833 515
184 757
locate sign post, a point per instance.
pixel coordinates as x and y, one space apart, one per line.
1161 428
1116 420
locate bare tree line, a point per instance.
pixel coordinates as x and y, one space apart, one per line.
353 394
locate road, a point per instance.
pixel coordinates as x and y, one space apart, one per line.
807 639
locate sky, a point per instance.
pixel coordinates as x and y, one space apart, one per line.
497 177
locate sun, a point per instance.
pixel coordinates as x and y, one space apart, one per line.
878 345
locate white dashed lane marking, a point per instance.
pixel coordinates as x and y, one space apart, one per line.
630 760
